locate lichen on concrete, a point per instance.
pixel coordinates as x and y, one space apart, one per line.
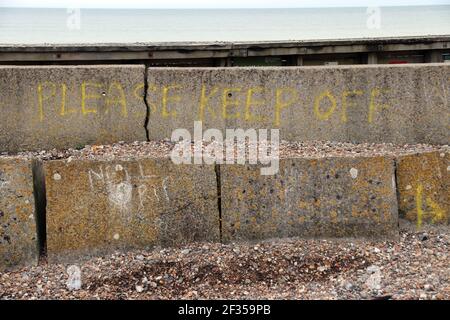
18 238
311 198
424 187
95 206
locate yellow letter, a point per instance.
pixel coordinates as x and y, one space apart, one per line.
166 99
250 102
121 100
280 105
325 115
63 101
372 106
204 102
85 96
227 101
138 91
345 104
41 98
437 213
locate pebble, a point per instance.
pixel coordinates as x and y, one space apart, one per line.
281 269
139 289
73 282
348 286
163 148
374 281
372 269
428 287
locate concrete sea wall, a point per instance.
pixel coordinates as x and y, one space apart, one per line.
76 208
398 104
70 106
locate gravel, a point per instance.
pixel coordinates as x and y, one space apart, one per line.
275 269
158 149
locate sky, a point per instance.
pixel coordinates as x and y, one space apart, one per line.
181 4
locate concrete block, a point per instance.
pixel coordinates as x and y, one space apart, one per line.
18 233
331 197
424 187
95 207
47 107
370 103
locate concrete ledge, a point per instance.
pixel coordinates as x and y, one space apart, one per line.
18 233
424 187
335 197
379 103
95 207
197 50
70 106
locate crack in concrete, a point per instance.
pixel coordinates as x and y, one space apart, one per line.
147 115
219 197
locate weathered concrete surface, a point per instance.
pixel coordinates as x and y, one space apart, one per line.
334 197
70 106
18 239
379 103
94 207
424 187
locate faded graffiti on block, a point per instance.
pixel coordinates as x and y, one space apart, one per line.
120 185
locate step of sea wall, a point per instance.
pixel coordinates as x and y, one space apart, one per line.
122 197
96 206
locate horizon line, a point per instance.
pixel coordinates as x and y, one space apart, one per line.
224 8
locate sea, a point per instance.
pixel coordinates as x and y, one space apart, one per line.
87 26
